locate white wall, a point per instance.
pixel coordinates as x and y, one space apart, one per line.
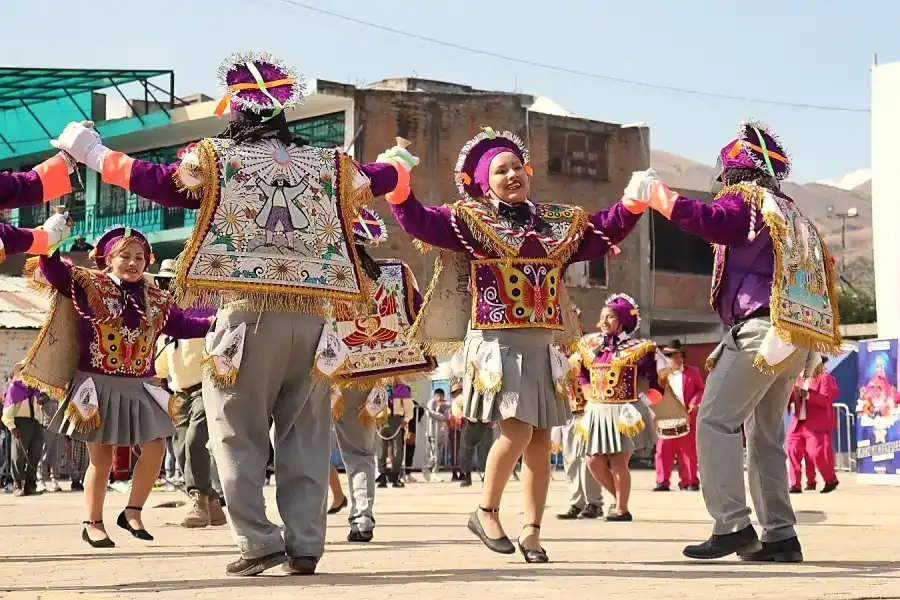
14 345
886 195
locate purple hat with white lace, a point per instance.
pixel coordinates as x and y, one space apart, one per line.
474 161
756 147
627 312
258 82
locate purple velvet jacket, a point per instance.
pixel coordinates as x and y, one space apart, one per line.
628 384
432 225
43 183
746 280
104 347
15 239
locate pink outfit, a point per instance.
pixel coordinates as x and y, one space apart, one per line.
809 434
684 448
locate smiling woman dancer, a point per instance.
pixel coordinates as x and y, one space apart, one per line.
500 289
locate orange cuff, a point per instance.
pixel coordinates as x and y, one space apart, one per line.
401 192
662 199
40 243
654 397
117 169
54 176
633 206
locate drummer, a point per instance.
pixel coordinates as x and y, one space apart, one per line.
687 385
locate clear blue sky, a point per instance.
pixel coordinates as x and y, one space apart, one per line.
777 50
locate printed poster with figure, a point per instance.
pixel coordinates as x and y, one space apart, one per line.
877 412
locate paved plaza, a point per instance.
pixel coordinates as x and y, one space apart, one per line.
422 550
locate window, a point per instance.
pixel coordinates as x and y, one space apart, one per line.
578 153
160 156
598 275
675 251
325 131
34 216
112 202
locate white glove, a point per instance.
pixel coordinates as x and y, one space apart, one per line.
57 229
82 142
407 160
641 185
189 170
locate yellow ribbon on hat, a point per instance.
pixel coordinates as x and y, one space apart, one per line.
238 87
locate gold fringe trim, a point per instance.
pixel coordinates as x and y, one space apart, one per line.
2 254
79 423
751 194
632 430
474 376
432 347
54 392
29 272
765 368
370 381
221 382
174 408
580 430
565 386
338 408
710 363
422 246
820 368
367 420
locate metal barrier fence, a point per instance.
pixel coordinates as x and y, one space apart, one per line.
844 455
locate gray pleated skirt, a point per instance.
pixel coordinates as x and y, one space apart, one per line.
128 414
600 427
527 391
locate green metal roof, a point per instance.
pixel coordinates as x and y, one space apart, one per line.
21 86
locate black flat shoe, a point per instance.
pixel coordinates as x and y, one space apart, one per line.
336 509
662 488
784 551
104 543
830 487
533 556
591 511
247 567
499 545
570 514
623 518
360 536
743 542
795 491
811 487
694 487
122 521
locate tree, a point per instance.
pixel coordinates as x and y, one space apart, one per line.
855 306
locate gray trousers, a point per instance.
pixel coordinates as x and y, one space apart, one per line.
356 443
391 441
274 380
475 437
26 451
190 441
54 444
738 393
583 488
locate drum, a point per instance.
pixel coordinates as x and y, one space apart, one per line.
670 416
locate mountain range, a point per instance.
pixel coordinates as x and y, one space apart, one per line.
852 191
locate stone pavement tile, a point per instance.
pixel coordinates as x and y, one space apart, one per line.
422 551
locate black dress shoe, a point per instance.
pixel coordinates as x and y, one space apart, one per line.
570 514
398 484
247 567
356 535
694 487
465 482
122 521
336 509
382 482
661 488
77 486
591 511
811 487
499 545
624 517
744 541
301 565
830 487
533 556
784 551
795 490
103 543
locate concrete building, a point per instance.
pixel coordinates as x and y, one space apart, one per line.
575 160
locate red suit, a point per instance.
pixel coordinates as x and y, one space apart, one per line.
811 428
685 448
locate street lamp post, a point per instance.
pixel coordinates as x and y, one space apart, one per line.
851 213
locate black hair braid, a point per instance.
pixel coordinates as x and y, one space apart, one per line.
739 175
249 127
371 268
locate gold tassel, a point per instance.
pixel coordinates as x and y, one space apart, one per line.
371 381
631 430
820 368
580 430
79 423
710 363
338 408
422 246
220 381
759 361
58 394
367 420
2 254
174 408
